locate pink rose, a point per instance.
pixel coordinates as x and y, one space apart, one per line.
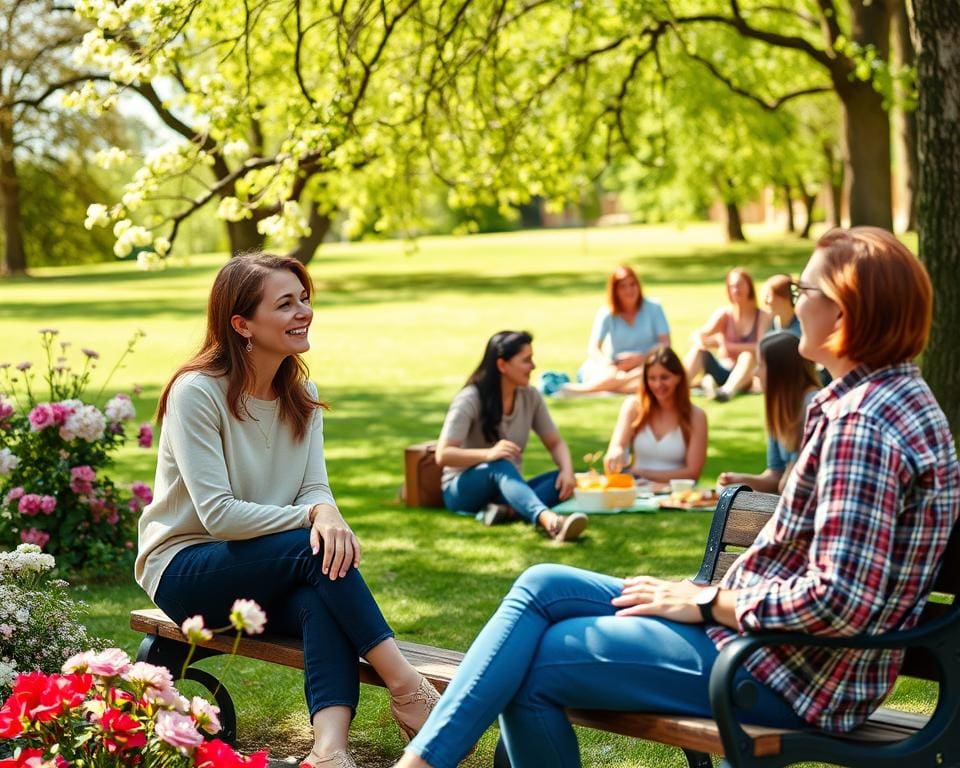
48 504
61 412
109 663
34 536
6 408
145 438
113 518
14 494
41 417
179 731
79 662
206 714
29 504
142 491
81 479
149 676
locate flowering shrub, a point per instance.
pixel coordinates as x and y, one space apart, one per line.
53 453
105 711
39 623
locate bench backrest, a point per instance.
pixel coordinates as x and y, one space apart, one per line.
741 513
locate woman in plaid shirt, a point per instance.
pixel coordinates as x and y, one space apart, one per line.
853 548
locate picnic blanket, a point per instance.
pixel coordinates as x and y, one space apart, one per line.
647 504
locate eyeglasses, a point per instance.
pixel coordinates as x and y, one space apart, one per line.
796 288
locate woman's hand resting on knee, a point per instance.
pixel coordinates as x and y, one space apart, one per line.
341 549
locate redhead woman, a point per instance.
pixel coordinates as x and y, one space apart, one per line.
852 549
775 295
483 438
243 509
789 384
726 347
631 325
663 433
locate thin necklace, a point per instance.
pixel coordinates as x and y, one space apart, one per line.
266 435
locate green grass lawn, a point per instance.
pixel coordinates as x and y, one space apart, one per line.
394 337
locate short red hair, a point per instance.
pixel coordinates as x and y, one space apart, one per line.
613 301
883 291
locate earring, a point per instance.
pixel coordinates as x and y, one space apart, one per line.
249 346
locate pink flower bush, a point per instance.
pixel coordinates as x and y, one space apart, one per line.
55 451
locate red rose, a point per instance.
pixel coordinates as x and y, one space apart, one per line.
121 731
11 719
216 754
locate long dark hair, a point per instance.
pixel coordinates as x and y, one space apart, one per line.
486 378
238 290
789 378
669 359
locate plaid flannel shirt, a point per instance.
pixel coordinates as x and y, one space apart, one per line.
854 545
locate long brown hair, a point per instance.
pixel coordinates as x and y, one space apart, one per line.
613 301
238 290
751 288
789 378
666 357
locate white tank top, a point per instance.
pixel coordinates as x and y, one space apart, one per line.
670 452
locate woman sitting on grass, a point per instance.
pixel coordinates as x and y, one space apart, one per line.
242 507
633 325
789 384
725 349
663 432
483 438
852 548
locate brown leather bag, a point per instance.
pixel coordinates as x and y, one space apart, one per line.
421 485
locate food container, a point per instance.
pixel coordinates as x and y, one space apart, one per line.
681 486
601 494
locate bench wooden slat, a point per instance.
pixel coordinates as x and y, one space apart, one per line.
742 525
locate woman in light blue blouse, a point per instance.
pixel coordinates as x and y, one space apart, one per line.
789 383
631 326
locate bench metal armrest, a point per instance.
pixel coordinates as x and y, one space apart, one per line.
939 636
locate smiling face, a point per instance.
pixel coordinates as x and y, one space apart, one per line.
517 369
628 292
819 316
281 321
661 383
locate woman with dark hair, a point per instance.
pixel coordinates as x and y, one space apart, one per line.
852 549
483 438
663 432
725 349
242 506
630 326
789 384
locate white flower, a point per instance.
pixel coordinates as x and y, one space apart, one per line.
79 662
8 671
86 423
236 150
246 615
149 675
206 714
97 216
149 261
8 462
195 631
120 408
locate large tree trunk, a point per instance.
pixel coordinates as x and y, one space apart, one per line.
834 183
734 224
788 201
938 209
906 56
244 236
307 246
866 122
808 203
14 260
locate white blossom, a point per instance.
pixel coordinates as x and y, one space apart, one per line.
8 461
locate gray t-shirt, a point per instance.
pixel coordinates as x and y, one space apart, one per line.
463 426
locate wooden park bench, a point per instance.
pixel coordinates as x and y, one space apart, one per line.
889 739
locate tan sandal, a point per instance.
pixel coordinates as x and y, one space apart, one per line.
567 527
412 709
338 759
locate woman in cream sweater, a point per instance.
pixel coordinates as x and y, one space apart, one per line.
243 508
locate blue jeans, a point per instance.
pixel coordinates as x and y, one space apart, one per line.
500 482
338 621
555 643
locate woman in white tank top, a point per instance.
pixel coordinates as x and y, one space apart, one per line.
660 435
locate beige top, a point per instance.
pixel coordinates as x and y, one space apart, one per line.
217 479
463 424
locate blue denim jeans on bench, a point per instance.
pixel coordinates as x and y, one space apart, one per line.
554 643
338 621
500 482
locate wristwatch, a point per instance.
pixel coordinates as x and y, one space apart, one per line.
705 599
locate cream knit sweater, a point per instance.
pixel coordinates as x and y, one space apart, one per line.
217 479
